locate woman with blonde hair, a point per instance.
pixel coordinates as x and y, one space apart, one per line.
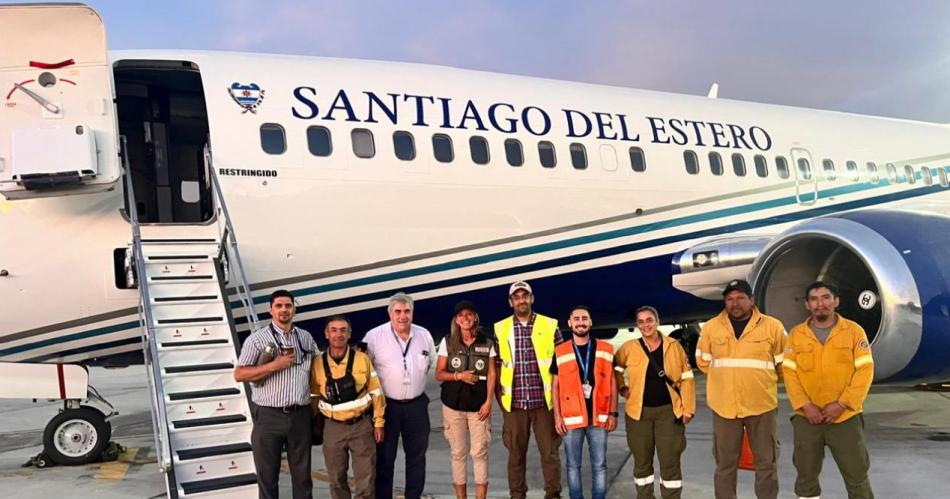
661 400
466 368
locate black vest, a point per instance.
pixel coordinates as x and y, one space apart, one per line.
460 395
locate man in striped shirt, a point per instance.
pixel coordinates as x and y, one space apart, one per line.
281 396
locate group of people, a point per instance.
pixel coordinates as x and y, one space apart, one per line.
561 389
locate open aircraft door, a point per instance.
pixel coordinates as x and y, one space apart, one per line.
806 179
58 132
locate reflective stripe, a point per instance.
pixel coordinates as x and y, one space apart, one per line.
790 364
750 363
812 497
687 374
574 420
376 392
703 355
643 481
619 369
564 359
609 357
544 362
372 374
671 484
347 406
864 359
602 418
779 358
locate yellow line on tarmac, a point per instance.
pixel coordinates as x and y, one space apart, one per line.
116 470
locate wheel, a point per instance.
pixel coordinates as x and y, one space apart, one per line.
76 436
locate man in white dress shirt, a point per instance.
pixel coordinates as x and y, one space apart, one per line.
401 351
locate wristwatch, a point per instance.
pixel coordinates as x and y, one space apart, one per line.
614 414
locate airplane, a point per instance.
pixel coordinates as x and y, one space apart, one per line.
128 177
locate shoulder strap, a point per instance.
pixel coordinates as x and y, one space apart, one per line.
656 368
350 362
326 364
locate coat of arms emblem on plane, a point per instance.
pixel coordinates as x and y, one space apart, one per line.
247 96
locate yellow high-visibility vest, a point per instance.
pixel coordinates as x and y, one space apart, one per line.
542 338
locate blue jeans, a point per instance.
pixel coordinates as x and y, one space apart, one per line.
573 448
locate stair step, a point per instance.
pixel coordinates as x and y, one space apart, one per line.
212 421
181 278
173 258
218 483
185 299
193 343
199 394
198 368
179 241
191 332
189 320
218 450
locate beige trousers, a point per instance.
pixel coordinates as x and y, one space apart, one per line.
466 434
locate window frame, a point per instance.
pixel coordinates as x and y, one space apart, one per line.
517 143
447 140
412 145
329 136
715 167
689 156
283 137
579 147
372 142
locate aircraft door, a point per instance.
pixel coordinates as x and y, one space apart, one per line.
806 180
58 133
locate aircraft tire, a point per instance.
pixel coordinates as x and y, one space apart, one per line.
76 436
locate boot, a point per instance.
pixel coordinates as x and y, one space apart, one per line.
481 490
460 491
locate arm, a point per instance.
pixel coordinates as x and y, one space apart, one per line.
703 350
485 411
778 349
687 386
379 403
558 420
611 419
857 390
245 374
620 361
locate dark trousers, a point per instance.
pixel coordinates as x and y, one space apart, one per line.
846 441
727 448
516 432
410 420
273 431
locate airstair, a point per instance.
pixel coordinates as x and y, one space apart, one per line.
200 415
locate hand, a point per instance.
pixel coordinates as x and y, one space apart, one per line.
687 418
832 411
484 412
813 413
559 426
469 377
378 435
624 391
283 361
611 424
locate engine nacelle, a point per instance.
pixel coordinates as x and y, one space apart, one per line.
893 271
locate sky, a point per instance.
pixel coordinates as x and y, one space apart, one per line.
869 57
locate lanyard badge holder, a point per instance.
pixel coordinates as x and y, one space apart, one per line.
585 368
406 380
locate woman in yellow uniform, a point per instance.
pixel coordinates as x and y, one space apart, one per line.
661 400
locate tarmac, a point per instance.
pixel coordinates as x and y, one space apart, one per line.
908 434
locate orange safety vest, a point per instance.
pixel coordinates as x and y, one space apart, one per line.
570 391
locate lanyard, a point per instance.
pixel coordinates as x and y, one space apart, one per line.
405 351
585 366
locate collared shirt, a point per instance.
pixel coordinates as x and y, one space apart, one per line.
367 386
287 387
527 389
386 348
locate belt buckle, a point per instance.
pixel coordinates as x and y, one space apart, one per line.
288 409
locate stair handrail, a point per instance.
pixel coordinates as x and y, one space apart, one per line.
242 288
159 420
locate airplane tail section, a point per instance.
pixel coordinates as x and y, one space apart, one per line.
201 416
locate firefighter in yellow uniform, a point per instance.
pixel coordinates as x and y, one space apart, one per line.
740 351
828 371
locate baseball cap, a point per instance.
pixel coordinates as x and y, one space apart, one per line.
519 285
465 305
738 285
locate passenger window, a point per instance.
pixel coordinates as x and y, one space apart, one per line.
363 144
892 175
442 148
738 165
546 154
829 169
942 173
404 145
761 166
853 170
781 166
513 152
638 161
578 156
927 175
479 148
872 172
608 158
909 173
691 161
318 141
804 169
273 139
715 163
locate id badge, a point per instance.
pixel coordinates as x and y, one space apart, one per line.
587 390
405 378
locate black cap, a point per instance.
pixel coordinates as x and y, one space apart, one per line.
465 305
738 284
